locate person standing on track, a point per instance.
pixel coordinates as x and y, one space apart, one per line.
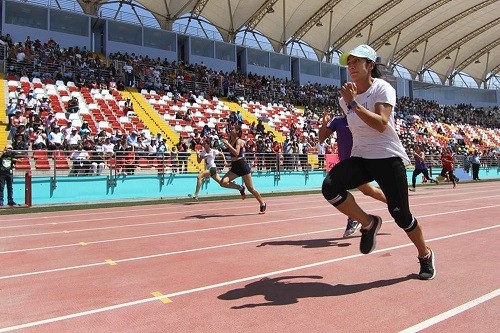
420 168
208 154
239 166
377 154
476 164
344 145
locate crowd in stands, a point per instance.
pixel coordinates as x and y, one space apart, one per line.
32 124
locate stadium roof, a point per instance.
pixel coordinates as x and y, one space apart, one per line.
445 36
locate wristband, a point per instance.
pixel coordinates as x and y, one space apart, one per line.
352 104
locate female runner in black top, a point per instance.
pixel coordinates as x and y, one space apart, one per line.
240 167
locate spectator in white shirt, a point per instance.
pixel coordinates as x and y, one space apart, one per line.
129 77
66 129
320 146
81 163
40 141
31 102
132 139
56 139
73 139
21 56
152 148
108 146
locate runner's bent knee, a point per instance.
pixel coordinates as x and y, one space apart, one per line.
333 194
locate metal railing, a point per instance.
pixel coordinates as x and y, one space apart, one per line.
58 163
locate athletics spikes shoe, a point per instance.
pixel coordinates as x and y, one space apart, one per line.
427 269
263 208
194 197
351 228
368 236
242 192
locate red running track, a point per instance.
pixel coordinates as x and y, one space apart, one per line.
219 266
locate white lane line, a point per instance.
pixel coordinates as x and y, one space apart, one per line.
206 207
153 210
177 221
222 284
177 233
164 254
450 313
230 244
334 213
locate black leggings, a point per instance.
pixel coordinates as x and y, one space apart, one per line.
450 174
389 173
417 172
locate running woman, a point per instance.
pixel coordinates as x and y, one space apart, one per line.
420 168
239 166
377 155
447 159
208 154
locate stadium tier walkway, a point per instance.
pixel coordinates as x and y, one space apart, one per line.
156 124
153 121
3 108
250 117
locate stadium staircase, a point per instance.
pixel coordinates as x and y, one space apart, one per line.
250 118
156 124
3 122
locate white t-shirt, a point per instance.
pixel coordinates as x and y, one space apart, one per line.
368 142
20 56
73 139
128 69
79 155
108 147
56 137
209 158
321 148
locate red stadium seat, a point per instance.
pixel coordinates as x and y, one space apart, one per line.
40 154
23 164
42 164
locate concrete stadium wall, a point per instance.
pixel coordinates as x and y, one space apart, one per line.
458 95
19 33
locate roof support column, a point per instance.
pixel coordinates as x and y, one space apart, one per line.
118 10
369 34
483 77
389 61
232 35
421 69
452 71
283 36
330 46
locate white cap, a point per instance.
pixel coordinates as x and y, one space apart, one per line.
362 51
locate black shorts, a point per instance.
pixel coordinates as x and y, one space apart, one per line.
213 171
389 173
240 167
